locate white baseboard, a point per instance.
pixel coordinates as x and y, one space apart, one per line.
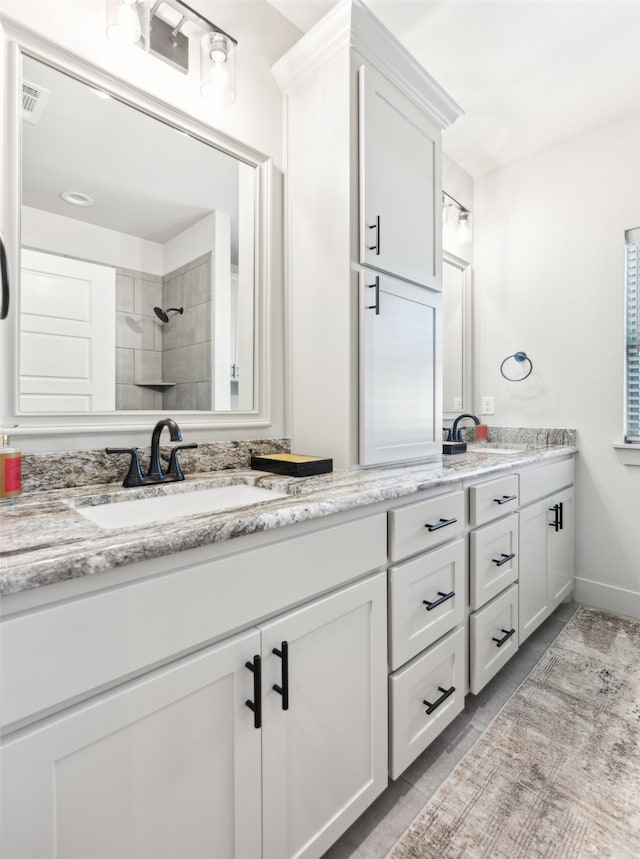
607 597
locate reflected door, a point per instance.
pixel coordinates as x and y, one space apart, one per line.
67 335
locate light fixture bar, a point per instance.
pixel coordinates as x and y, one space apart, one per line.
168 42
455 202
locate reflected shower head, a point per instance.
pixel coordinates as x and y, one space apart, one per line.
163 314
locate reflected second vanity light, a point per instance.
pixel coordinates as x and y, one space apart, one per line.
179 219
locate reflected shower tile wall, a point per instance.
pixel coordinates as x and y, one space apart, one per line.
186 344
138 339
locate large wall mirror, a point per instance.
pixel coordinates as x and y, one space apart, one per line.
137 265
142 249
456 336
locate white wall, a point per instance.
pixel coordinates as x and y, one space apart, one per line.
549 280
56 234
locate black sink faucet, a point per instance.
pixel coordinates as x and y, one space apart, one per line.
155 472
455 432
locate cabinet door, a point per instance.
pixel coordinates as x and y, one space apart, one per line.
533 533
400 184
325 757
400 379
561 554
164 766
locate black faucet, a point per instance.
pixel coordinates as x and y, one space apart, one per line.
455 431
155 474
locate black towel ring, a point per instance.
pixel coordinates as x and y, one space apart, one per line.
520 357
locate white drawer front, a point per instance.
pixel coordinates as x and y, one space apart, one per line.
426 600
436 677
489 627
420 526
545 479
488 501
493 560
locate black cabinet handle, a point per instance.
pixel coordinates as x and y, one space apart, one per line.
256 704
441 524
283 653
375 306
507 635
503 559
505 498
556 520
375 227
443 697
436 603
561 515
4 276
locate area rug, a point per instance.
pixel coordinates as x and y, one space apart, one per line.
557 772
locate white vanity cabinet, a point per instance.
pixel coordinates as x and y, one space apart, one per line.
427 600
493 571
363 166
400 163
269 742
400 333
547 542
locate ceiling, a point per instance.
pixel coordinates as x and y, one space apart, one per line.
147 179
528 73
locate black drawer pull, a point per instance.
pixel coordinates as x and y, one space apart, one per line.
441 524
436 603
256 704
561 515
443 697
503 560
556 524
507 635
375 286
375 227
283 690
505 498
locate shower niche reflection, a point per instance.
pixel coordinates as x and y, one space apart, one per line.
137 288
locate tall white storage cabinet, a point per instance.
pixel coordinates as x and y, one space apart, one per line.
363 166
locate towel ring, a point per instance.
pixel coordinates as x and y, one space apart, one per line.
520 357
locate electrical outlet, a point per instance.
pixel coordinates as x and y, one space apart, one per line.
457 402
486 406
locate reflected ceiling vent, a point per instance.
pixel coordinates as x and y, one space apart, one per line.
34 98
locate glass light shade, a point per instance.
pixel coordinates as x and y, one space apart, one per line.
463 230
218 69
128 23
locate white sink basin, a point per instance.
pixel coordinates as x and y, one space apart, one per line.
163 508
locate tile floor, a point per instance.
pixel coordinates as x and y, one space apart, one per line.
377 830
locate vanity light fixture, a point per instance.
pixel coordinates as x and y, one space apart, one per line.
165 28
462 215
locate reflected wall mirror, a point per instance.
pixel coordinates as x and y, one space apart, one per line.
122 217
456 336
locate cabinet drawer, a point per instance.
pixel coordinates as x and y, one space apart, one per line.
546 479
426 600
488 501
493 560
487 629
420 526
436 677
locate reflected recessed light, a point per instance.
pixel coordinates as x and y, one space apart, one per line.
77 198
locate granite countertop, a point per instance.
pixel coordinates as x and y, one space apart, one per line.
45 540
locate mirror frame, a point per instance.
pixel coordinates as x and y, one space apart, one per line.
464 267
17 43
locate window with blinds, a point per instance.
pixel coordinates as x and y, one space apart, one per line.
632 324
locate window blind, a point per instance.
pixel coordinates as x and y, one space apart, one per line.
632 322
